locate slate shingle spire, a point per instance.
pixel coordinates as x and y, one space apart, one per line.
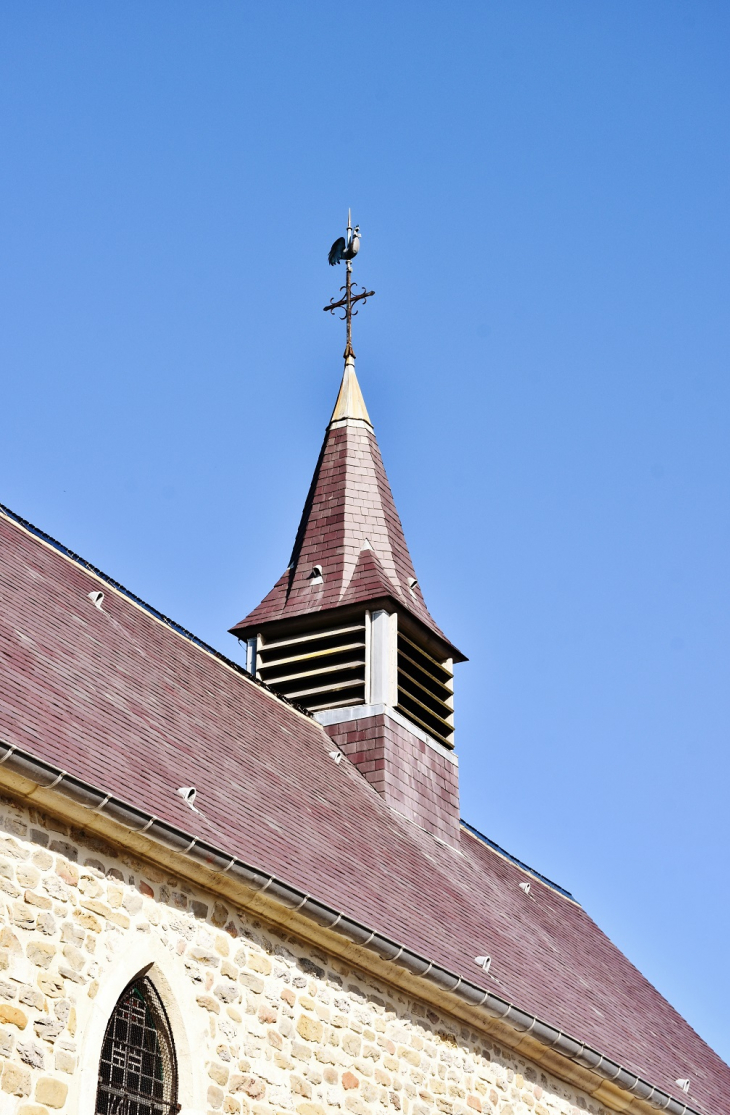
350 548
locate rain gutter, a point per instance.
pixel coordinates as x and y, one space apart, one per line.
48 777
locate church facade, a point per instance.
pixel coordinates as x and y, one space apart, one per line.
251 891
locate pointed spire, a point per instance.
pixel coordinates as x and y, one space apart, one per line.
350 530
350 403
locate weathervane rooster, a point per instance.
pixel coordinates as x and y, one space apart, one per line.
346 247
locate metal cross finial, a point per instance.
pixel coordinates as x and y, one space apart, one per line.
347 248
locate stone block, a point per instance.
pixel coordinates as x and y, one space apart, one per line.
227 992
204 956
24 916
119 919
209 1003
51 985
351 1044
27 875
48 1028
249 1084
300 1051
96 907
31 1054
75 957
63 848
132 903
46 923
72 934
218 1073
11 848
87 921
69 973
39 900
310 1029
13 1016
56 887
219 917
253 983
40 953
215 1097
16 1080
310 1109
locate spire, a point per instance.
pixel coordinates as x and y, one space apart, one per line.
350 549
345 631
350 403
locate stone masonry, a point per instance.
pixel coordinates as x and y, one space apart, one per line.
271 1025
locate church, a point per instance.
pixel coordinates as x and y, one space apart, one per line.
251 892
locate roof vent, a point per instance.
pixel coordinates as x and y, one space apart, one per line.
684 1083
188 794
425 689
316 575
322 669
97 599
525 887
484 962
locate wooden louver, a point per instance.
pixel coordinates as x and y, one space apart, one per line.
425 691
320 670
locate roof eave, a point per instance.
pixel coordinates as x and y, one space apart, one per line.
47 777
439 645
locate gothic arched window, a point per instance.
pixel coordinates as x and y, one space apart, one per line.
138 1068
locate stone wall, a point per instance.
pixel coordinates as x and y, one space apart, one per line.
262 1024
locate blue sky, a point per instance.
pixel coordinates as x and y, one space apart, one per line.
543 194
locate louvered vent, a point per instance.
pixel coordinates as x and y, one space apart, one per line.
321 670
425 691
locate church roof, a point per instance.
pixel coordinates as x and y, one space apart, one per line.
122 699
350 528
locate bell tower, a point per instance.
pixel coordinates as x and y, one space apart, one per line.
346 633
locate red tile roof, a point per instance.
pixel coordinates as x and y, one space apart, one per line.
351 528
119 699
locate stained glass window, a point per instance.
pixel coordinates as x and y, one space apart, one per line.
138 1069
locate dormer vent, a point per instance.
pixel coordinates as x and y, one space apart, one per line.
426 690
322 669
